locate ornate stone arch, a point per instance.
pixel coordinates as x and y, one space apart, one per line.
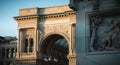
49 48
54 33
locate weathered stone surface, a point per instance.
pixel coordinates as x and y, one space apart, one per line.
44 26
93 32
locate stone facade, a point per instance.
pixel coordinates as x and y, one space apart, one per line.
8 53
97 31
46 36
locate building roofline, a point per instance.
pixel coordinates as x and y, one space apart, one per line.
44 7
54 6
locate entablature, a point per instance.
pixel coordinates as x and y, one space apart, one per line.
55 15
27 17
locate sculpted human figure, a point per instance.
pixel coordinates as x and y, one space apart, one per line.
95 21
93 35
115 36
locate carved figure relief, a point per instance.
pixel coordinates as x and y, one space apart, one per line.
65 28
104 33
114 38
95 21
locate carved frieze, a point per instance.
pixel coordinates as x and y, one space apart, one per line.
64 28
28 33
26 24
104 31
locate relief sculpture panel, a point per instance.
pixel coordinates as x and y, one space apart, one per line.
64 28
104 31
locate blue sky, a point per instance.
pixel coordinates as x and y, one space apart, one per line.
10 8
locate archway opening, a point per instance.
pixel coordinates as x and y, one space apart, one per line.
54 50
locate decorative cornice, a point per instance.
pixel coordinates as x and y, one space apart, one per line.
55 15
73 7
26 17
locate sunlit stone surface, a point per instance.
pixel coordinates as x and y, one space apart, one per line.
46 36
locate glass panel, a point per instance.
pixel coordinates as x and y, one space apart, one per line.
3 53
7 53
31 44
26 45
62 42
12 52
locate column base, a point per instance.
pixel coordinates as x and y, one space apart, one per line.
72 59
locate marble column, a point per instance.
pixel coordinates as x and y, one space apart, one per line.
70 42
73 38
18 44
72 54
34 41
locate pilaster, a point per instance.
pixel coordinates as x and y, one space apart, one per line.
72 59
18 44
